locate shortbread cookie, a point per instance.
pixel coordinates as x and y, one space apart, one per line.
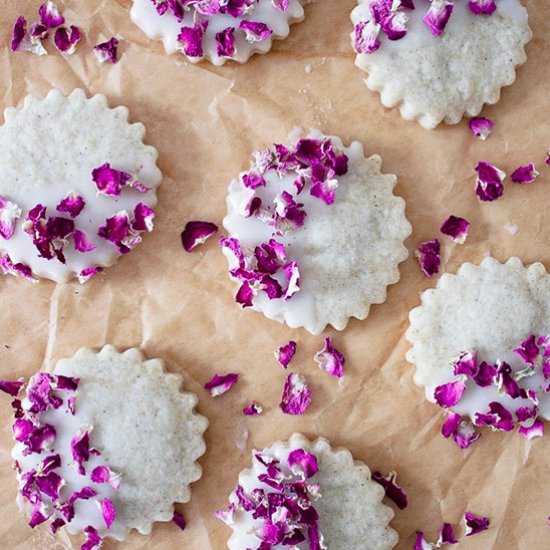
315 232
105 444
435 78
481 344
307 495
77 186
216 30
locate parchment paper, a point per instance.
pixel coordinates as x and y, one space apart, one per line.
205 121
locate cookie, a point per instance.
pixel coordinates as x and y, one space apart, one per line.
480 344
443 77
77 186
317 496
215 30
112 445
315 233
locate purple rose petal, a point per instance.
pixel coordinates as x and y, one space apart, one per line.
190 39
366 37
456 228
107 51
302 463
221 383
253 409
446 535
255 31
108 512
72 204
461 430
144 217
481 127
525 174
466 363
482 7
9 214
197 233
285 353
330 359
536 429
225 42
93 540
475 524
393 491
81 450
12 387
179 520
420 542
489 182
296 396
498 418
438 16
449 395
428 254
66 39
81 242
18 33
50 16
88 272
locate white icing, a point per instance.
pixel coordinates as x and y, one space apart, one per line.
441 78
167 28
49 148
347 253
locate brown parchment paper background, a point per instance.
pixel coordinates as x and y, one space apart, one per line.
205 121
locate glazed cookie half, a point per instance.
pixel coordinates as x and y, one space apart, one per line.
77 186
309 496
481 345
315 232
440 60
215 30
104 444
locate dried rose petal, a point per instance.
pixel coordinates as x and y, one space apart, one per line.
144 217
324 189
420 542
12 387
486 375
506 383
117 230
285 353
50 16
498 418
456 228
251 180
179 520
72 204
103 474
66 39
221 383
18 33
225 42
255 31
462 431
438 16
81 242
302 463
191 40
108 512
253 409
366 37
446 535
536 429
330 359
80 449
466 363
428 254
525 174
109 182
475 524
293 275
448 395
281 5
296 396
93 540
196 233
482 7
393 491
489 181
481 127
9 214
528 350
107 51
87 273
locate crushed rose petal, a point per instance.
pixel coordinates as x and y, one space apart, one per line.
50 16
330 359
107 51
253 409
9 214
438 16
482 7
296 396
66 39
489 181
428 254
481 127
196 233
456 228
285 353
475 524
393 491
525 174
221 383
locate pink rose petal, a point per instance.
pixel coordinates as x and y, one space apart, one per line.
456 228
253 409
179 520
88 272
428 254
489 182
438 16
330 359
190 39
93 540
475 524
446 535
536 429
72 204
66 39
481 127
221 383
9 214
225 42
197 233
420 542
302 463
366 37
296 396
449 395
107 51
393 491
285 353
525 174
255 31
81 242
482 7
108 512
50 16
12 387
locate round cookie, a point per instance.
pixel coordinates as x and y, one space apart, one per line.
339 505
480 344
112 446
77 186
440 78
315 232
215 30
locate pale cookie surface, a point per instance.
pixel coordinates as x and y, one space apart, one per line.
489 309
347 252
434 79
201 42
145 430
350 508
49 148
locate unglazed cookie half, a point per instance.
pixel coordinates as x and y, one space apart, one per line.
340 506
77 186
440 78
315 233
113 445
